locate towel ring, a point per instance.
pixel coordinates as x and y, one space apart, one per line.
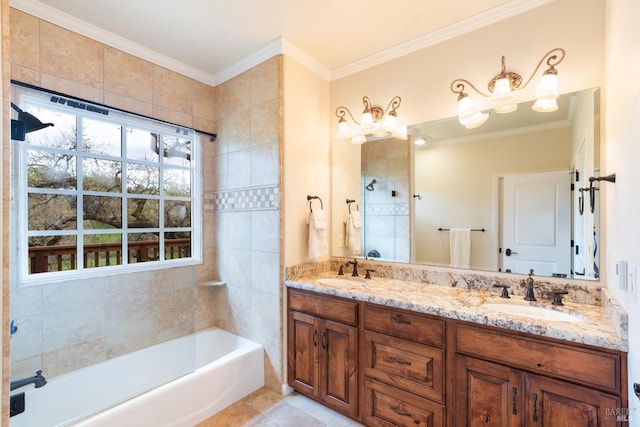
311 198
349 201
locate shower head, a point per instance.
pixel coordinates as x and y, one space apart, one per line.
370 186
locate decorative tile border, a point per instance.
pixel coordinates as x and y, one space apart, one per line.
388 209
257 198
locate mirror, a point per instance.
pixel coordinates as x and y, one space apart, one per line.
518 183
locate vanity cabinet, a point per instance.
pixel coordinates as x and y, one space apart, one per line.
323 349
403 364
508 379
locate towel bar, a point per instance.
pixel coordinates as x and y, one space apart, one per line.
473 229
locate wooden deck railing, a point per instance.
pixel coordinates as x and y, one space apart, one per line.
58 258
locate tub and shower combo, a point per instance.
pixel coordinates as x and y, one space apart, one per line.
166 389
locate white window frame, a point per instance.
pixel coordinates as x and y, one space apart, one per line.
43 98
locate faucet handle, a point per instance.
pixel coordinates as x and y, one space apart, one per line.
557 296
368 273
505 293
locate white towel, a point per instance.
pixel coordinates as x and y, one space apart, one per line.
353 226
317 234
460 247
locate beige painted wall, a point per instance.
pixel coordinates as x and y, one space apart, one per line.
306 155
423 78
459 188
621 153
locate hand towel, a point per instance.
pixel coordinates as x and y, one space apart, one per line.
460 247
353 226
317 234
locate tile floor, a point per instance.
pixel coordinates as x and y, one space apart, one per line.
268 408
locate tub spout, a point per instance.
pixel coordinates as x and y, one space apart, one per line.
38 380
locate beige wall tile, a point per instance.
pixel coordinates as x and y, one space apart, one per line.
174 310
265 125
70 56
128 104
172 90
172 116
239 131
127 75
203 101
265 81
73 357
72 88
204 125
25 40
239 169
25 75
265 165
238 93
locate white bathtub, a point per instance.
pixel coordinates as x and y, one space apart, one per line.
227 368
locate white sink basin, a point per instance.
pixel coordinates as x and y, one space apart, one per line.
333 281
534 312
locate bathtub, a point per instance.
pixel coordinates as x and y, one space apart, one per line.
227 368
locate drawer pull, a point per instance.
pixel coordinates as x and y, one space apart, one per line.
535 407
315 337
399 412
399 362
514 411
398 319
324 339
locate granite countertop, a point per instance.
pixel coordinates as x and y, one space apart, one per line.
595 327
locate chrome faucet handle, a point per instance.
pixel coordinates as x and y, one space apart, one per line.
505 293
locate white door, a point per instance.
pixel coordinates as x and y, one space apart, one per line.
536 229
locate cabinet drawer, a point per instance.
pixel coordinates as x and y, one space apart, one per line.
413 367
386 406
406 325
588 367
327 307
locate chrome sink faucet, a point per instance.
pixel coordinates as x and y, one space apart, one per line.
528 295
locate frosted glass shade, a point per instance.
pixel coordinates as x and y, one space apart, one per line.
502 90
548 87
468 114
343 130
545 105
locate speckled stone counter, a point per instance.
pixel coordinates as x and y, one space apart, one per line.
603 322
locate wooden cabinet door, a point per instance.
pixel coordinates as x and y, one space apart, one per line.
487 394
303 363
338 360
551 403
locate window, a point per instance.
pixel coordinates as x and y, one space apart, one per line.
100 189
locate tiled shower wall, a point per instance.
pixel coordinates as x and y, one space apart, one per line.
65 326
386 208
244 204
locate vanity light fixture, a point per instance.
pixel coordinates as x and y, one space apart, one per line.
504 88
375 122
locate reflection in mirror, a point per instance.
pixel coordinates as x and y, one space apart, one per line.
512 177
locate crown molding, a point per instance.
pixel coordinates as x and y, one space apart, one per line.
55 16
500 13
300 56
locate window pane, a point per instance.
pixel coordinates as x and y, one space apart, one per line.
101 175
102 212
177 213
143 213
142 145
101 250
51 170
177 151
143 179
61 135
101 137
51 212
143 247
52 253
177 182
177 245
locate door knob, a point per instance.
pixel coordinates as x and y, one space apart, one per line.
509 252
